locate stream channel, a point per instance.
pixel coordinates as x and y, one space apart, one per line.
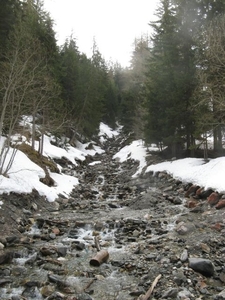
133 219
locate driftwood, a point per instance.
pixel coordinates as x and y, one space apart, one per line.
52 261
56 222
89 284
149 292
97 245
101 257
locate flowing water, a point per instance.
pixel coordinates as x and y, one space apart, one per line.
71 273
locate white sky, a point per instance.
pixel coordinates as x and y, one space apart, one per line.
113 23
24 174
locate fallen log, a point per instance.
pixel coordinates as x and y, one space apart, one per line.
149 292
101 257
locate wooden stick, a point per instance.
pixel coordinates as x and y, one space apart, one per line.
89 284
97 245
149 292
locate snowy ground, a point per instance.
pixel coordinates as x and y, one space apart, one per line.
24 175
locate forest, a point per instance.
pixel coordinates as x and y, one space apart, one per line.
172 94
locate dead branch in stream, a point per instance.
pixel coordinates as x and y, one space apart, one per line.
149 292
97 245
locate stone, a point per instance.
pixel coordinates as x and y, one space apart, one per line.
47 290
213 199
52 236
220 204
80 246
177 200
45 251
185 228
217 227
221 295
205 248
179 277
27 212
170 293
184 256
205 194
31 259
56 231
62 251
185 294
6 258
192 203
191 190
202 265
84 296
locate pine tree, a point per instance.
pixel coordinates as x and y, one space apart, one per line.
8 14
164 125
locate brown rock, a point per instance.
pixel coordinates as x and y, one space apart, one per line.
220 204
199 191
213 199
56 231
192 190
192 203
217 227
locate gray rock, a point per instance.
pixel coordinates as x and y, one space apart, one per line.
202 265
184 255
170 293
185 228
220 296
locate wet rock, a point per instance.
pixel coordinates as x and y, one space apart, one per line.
12 239
84 297
52 236
177 200
185 228
205 248
31 293
31 259
58 296
201 265
170 293
62 251
184 256
185 294
4 281
78 245
45 251
47 290
6 257
220 296
222 277
179 277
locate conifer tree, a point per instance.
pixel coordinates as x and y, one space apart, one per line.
164 124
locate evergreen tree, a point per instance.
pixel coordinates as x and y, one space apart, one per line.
8 14
138 70
164 124
110 111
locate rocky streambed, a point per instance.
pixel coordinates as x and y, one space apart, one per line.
157 237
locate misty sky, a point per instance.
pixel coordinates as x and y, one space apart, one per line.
113 23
